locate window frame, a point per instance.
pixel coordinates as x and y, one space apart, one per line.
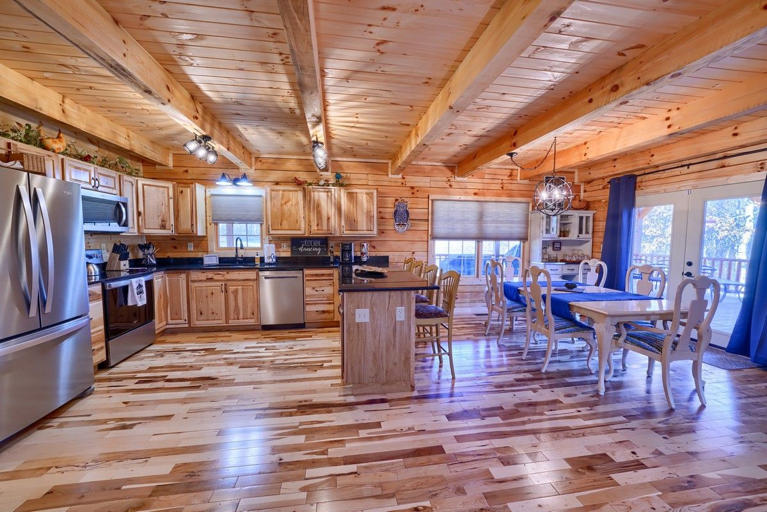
212 228
478 276
217 236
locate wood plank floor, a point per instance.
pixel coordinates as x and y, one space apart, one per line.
240 421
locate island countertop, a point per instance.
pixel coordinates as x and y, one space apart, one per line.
395 280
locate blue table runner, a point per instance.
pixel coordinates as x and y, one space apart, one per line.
560 302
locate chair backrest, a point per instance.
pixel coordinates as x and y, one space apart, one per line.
651 281
534 292
487 269
430 273
417 268
513 267
700 313
448 287
593 277
496 282
408 263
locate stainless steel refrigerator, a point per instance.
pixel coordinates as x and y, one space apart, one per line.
45 350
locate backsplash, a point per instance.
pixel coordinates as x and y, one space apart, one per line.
104 241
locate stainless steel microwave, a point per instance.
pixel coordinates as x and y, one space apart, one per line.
104 213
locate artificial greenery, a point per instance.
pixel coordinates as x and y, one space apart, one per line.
23 133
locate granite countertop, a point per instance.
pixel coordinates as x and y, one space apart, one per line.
396 280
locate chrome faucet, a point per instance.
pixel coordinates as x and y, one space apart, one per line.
237 246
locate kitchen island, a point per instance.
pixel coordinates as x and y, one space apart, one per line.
378 329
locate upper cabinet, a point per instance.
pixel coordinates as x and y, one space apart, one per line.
321 211
128 190
189 202
90 176
285 211
155 206
358 211
33 159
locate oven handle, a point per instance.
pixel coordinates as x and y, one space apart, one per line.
125 282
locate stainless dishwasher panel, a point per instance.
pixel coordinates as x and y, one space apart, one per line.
281 297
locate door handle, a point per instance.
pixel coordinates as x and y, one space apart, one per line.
123 219
98 181
47 290
34 292
687 274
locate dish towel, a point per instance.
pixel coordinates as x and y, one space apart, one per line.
136 292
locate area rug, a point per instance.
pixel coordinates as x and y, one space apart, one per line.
726 361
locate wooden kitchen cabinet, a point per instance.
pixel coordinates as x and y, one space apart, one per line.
34 159
178 307
160 302
359 210
189 201
321 211
96 314
207 303
79 172
241 302
155 206
107 180
128 190
320 295
285 211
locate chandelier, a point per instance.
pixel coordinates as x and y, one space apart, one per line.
553 195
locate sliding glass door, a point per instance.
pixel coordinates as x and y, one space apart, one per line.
702 231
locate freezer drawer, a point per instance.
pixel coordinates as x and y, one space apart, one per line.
42 371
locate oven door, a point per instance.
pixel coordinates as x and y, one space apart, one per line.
119 317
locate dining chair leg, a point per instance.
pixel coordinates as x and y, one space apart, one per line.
450 350
666 367
503 327
439 343
650 366
530 334
623 359
489 321
549 348
592 343
697 375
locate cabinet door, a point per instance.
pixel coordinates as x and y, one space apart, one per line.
96 314
322 210
585 221
189 200
358 212
107 180
178 308
79 172
285 211
242 302
155 207
128 189
160 303
319 295
207 303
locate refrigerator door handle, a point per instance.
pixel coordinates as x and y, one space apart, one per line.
34 293
47 289
40 337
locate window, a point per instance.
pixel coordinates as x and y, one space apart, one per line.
237 215
249 232
466 234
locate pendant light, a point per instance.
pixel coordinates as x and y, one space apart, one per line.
242 181
319 155
553 195
224 180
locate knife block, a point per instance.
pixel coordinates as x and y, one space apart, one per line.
114 262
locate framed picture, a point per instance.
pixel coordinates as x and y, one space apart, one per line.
556 246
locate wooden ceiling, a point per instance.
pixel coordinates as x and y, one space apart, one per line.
383 64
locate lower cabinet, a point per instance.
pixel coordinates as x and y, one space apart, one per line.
320 295
96 314
178 307
160 302
223 298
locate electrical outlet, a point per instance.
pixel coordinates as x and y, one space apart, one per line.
362 315
400 313
284 246
190 246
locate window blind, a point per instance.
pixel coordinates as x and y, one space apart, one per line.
237 208
453 219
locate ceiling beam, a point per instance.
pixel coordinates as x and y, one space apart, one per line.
512 30
737 100
731 138
24 92
735 25
91 29
298 18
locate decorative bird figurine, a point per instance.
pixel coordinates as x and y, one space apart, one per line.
299 181
56 144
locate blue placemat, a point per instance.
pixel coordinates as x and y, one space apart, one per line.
560 302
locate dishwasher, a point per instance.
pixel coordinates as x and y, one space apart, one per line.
281 298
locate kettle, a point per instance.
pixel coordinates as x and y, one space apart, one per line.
92 269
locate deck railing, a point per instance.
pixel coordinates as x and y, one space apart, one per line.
726 269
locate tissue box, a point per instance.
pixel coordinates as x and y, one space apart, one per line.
210 259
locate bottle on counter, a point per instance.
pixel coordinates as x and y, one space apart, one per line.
364 252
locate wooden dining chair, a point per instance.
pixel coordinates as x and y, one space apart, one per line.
430 273
644 280
488 293
417 268
407 265
592 277
505 309
431 319
677 343
543 321
512 268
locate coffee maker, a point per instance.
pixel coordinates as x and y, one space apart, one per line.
347 253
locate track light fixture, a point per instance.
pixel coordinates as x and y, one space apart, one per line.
201 146
319 155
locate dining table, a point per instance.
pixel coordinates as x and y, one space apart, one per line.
603 309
